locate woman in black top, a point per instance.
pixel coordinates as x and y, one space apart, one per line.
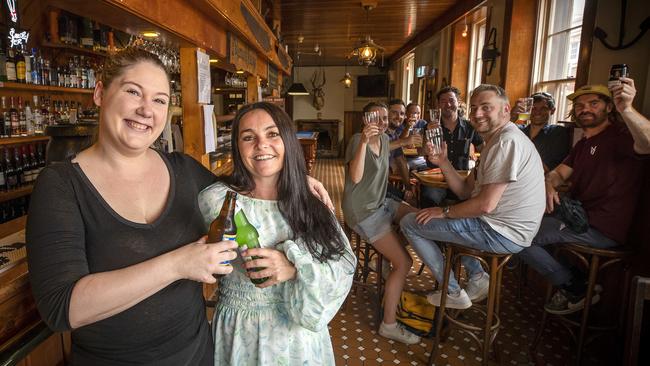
114 234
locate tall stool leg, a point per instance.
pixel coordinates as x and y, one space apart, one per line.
593 271
542 325
494 277
441 311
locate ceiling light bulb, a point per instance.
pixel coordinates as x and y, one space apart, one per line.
464 33
367 52
150 34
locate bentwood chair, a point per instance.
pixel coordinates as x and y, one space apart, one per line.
595 260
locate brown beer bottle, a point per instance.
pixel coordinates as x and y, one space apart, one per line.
223 227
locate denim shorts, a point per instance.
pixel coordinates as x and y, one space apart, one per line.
379 223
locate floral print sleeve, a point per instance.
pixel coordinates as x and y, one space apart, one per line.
314 297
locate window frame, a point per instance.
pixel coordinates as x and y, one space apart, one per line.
542 38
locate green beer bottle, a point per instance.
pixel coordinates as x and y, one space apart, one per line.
247 238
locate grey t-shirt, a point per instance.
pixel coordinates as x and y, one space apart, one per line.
510 157
362 199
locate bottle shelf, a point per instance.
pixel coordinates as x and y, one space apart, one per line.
22 140
44 88
16 193
76 49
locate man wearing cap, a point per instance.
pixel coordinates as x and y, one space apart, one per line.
551 141
604 172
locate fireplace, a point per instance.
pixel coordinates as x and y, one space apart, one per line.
328 135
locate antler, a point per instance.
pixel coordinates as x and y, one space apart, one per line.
313 79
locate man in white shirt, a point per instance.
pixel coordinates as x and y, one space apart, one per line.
504 199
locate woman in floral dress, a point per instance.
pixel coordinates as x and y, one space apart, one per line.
304 253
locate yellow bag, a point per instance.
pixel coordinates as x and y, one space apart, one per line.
416 314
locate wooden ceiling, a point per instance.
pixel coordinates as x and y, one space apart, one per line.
338 25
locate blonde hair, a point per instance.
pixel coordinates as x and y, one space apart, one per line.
116 64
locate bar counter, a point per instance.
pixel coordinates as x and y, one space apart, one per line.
24 338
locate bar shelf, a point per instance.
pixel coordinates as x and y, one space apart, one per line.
44 88
22 140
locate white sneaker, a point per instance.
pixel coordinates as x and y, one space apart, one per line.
478 289
398 333
459 301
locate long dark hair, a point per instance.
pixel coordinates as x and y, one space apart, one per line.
307 216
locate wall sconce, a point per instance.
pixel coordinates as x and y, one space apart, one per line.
490 52
466 29
347 79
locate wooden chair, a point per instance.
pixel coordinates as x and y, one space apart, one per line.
595 260
483 336
640 294
365 253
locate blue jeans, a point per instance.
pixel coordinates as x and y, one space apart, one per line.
472 233
551 232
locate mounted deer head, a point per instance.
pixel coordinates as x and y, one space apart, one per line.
319 95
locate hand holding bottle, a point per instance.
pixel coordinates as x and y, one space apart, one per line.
275 266
198 261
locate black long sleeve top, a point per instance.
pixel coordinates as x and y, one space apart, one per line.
73 232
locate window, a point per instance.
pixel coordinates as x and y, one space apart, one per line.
409 76
558 45
476 62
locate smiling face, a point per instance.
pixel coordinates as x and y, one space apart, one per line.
488 112
448 103
396 115
133 107
590 110
540 113
261 147
414 112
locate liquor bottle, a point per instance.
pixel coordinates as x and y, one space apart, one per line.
22 118
28 166
223 226
35 166
3 181
37 121
28 66
247 238
40 157
18 168
6 118
97 36
77 70
86 33
36 68
63 27
91 75
10 174
11 65
14 118
3 65
83 72
20 65
29 119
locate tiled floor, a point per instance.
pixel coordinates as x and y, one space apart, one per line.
356 341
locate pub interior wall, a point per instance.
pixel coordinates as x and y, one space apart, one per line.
636 57
338 98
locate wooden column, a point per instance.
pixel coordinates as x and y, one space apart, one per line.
193 138
518 48
251 90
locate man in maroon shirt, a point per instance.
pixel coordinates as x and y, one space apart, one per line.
604 172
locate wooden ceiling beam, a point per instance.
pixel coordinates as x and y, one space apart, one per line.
447 18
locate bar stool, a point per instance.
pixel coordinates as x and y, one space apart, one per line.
595 260
494 262
360 279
